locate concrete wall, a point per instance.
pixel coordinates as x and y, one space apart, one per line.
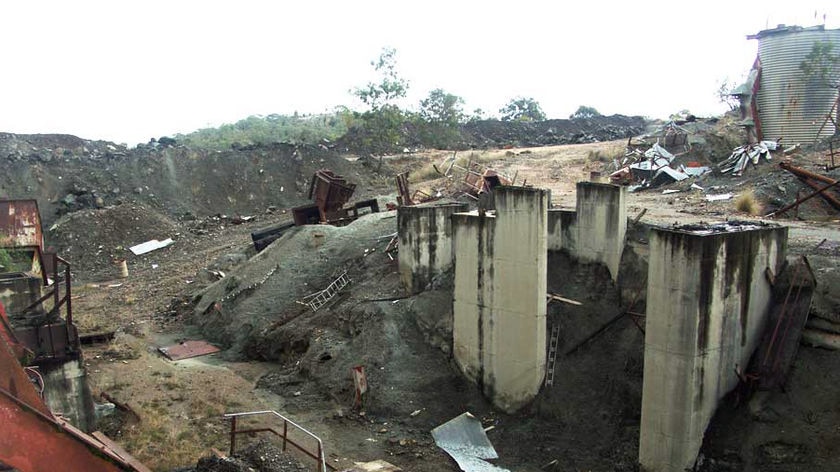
707 302
67 393
425 238
499 300
562 230
596 230
601 224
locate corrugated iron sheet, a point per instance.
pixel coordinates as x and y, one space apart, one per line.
791 105
20 224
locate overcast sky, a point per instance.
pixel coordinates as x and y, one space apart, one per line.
127 71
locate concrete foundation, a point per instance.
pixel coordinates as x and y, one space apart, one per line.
67 393
596 231
425 238
707 303
499 300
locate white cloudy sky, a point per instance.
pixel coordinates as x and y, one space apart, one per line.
127 71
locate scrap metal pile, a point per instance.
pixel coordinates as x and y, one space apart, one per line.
330 193
652 168
742 155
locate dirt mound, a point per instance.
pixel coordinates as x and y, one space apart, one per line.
494 133
92 239
260 457
66 174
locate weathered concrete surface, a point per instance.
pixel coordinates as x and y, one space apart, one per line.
601 224
425 239
67 393
596 230
707 303
562 230
500 286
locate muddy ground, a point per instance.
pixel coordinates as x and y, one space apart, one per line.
278 354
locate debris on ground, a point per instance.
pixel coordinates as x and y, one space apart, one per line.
150 246
465 440
741 156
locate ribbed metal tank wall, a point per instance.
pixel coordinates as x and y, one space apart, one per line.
790 105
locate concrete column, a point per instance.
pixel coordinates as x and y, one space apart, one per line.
601 224
707 302
425 238
500 286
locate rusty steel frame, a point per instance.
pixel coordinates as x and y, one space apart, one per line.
319 456
35 440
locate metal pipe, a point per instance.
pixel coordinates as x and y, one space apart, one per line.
799 201
322 459
232 435
800 172
831 199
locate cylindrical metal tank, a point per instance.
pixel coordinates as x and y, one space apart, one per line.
792 105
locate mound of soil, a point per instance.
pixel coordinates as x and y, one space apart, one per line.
92 239
494 133
66 174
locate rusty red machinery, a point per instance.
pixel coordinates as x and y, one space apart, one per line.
33 439
330 192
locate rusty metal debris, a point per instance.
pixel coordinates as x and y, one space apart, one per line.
478 179
329 193
404 195
188 349
33 438
823 185
741 156
793 290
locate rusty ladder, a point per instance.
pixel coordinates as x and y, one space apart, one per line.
552 354
319 299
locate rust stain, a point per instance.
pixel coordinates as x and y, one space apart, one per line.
188 349
20 224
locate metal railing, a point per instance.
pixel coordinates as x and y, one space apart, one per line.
319 455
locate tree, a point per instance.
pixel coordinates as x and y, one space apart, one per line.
381 125
390 88
442 108
584 112
725 94
441 115
522 109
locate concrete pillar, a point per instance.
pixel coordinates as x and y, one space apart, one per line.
500 286
425 238
707 302
601 224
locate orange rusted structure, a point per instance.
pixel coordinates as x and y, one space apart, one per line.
32 438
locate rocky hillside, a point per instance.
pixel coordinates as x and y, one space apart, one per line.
65 174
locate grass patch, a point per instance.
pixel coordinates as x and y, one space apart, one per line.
748 203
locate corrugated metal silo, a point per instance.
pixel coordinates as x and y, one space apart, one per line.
790 104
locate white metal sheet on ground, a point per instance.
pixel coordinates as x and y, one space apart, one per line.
150 246
464 439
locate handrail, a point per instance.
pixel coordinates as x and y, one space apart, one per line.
321 457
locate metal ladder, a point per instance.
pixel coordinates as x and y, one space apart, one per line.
552 354
319 299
